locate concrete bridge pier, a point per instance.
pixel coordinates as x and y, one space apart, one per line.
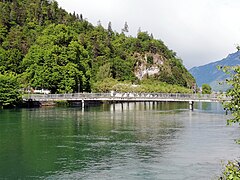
82 103
191 103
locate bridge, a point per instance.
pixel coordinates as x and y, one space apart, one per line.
127 97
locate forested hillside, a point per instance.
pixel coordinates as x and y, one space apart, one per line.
43 46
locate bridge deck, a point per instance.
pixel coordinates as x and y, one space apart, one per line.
131 97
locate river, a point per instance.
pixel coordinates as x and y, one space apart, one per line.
121 141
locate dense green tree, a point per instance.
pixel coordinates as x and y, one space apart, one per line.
110 31
125 28
57 62
3 33
232 170
234 93
9 90
206 89
143 36
104 72
122 69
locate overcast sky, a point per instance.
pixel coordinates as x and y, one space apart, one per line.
199 31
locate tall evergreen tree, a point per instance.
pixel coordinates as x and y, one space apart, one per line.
125 28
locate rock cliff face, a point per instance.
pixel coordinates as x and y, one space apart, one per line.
154 65
148 65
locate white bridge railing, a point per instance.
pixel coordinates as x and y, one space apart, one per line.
126 96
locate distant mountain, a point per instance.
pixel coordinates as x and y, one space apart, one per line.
209 73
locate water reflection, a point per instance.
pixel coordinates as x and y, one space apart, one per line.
214 107
116 141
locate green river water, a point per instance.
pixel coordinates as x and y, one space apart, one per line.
121 141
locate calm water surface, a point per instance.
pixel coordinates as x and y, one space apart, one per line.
125 141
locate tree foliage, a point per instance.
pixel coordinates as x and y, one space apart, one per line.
206 89
234 93
57 61
149 85
232 169
9 90
46 47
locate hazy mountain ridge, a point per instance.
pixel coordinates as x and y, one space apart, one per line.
210 74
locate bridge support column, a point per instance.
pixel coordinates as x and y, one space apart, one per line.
82 103
191 103
114 106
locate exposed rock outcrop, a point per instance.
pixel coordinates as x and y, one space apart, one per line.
147 65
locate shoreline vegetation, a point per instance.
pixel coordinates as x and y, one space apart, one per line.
44 47
146 86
